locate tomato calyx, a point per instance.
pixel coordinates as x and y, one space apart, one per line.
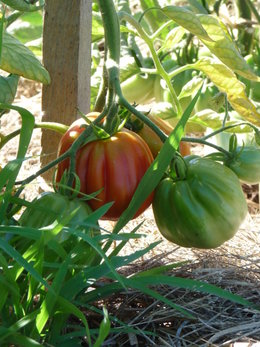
178 168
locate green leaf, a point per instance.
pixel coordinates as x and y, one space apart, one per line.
21 261
173 38
197 7
81 280
25 232
211 119
187 20
104 329
195 285
137 283
191 87
8 87
154 18
23 341
91 241
9 173
156 171
223 47
227 82
67 307
18 59
47 306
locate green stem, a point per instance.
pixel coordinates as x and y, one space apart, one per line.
160 69
227 128
226 112
111 28
123 102
206 143
102 93
42 171
181 69
57 127
160 30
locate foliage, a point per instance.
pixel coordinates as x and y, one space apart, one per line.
52 271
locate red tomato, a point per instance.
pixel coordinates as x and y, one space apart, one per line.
116 165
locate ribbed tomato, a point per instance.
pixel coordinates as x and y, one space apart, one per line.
116 165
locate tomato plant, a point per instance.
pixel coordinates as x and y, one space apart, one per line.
114 165
246 164
203 210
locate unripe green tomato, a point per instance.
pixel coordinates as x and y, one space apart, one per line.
139 88
203 210
50 207
246 164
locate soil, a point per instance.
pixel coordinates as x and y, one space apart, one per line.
234 266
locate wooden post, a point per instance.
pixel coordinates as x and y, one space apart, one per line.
67 57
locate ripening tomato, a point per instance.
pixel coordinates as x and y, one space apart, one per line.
115 165
153 140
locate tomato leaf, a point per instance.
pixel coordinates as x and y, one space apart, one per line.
226 81
187 20
223 47
191 87
173 38
8 87
197 7
18 59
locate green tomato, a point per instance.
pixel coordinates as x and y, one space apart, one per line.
139 88
203 210
246 164
50 207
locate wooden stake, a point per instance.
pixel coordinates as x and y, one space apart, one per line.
67 57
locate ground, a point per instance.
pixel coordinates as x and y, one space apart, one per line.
235 266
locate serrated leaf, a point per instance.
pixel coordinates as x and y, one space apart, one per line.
187 20
227 82
223 47
191 87
18 59
8 87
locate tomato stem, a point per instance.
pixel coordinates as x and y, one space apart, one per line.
57 127
229 127
203 142
123 102
159 67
